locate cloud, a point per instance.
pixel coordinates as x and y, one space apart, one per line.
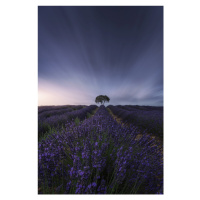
87 51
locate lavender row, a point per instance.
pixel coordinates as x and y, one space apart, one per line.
99 156
42 109
57 121
49 113
136 107
48 108
151 120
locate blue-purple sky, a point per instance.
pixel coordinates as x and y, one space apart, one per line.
87 51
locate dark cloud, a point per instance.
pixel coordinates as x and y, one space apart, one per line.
117 51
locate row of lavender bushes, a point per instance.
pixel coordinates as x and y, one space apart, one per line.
42 109
137 107
59 111
99 156
57 120
146 117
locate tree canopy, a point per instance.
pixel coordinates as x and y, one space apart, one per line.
102 99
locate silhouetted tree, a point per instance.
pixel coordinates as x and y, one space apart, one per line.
102 99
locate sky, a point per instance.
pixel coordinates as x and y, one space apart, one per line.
86 51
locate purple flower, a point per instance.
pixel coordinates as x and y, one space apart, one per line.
89 186
80 173
94 184
95 152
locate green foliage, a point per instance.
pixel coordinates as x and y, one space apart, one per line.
88 115
77 121
102 99
45 135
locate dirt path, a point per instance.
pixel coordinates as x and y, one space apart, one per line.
119 120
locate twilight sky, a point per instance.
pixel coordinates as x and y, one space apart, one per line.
87 51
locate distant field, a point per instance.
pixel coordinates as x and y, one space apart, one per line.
149 118
100 150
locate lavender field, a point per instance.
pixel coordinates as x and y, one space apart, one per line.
87 150
148 118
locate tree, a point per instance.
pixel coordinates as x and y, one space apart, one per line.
102 99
